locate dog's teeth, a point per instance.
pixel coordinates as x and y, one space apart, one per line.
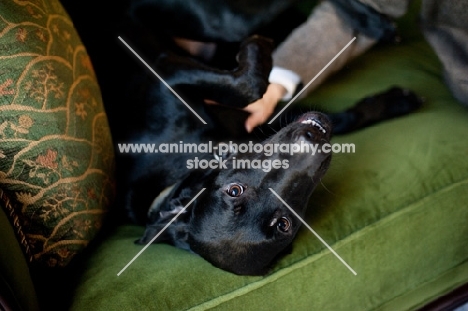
314 123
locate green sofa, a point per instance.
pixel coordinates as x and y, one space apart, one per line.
396 210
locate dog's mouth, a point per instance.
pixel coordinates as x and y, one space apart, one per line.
315 123
313 127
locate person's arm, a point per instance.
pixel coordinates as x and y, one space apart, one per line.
330 27
310 47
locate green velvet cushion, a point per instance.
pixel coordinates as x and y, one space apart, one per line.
395 211
56 154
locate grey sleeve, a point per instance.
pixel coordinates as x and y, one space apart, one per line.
316 42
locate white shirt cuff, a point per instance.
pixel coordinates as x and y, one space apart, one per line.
287 78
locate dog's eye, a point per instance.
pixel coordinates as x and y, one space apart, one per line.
283 224
235 190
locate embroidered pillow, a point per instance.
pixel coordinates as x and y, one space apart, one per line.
56 154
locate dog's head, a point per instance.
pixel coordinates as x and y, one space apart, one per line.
237 223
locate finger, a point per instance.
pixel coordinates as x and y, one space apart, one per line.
250 124
255 106
255 119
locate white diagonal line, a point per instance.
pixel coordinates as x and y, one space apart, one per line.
313 79
315 233
160 232
159 77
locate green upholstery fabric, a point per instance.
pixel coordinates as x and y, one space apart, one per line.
56 153
395 211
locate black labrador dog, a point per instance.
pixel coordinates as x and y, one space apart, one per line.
237 223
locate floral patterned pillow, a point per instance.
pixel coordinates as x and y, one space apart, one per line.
56 154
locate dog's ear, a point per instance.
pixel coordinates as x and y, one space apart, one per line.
176 233
163 210
168 205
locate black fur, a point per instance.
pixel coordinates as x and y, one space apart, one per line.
236 223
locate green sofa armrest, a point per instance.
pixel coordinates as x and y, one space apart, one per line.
16 286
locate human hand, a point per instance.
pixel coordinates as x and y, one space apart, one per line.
262 109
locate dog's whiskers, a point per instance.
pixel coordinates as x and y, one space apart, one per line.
261 131
325 187
273 129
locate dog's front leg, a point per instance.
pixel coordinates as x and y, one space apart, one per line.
234 88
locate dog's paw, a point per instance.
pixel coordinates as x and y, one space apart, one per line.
254 66
392 103
255 44
400 101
